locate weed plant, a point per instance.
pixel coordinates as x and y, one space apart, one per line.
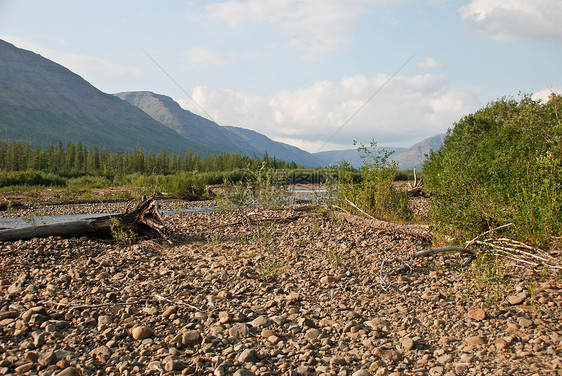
373 191
122 236
254 187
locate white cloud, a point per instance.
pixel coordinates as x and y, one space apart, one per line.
407 110
201 57
545 94
430 63
313 27
80 64
515 19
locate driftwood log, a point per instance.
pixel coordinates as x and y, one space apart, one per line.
145 220
413 230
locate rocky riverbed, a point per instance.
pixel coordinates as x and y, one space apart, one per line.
289 291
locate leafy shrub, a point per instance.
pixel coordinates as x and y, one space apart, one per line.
30 178
372 190
499 165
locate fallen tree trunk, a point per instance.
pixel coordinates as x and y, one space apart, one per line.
386 226
144 220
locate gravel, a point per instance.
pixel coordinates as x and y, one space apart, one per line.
297 295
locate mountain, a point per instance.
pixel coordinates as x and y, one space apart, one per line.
334 157
211 135
415 155
275 149
42 103
407 158
193 127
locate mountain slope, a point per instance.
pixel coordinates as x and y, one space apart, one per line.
42 103
415 155
193 127
407 158
211 135
275 149
352 156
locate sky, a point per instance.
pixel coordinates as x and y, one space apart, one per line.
316 74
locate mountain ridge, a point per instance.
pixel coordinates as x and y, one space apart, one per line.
42 103
208 133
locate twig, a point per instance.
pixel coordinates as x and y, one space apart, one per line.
160 297
469 243
358 208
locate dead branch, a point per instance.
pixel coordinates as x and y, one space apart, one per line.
416 188
413 230
145 220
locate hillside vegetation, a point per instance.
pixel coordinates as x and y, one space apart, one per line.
499 165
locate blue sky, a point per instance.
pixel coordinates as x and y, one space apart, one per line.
298 70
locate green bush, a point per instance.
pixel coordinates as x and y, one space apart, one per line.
373 189
502 164
30 178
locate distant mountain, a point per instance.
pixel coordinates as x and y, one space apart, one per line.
279 150
193 127
211 135
352 156
407 158
42 103
415 155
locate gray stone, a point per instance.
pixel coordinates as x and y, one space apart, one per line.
239 331
313 334
190 338
248 356
174 365
69 371
408 343
48 358
244 372
361 372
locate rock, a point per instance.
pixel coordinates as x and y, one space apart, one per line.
445 359
248 356
517 299
25 367
224 317
174 365
328 279
16 288
170 311
47 358
102 351
474 340
260 322
69 371
436 371
31 356
408 343
305 322
361 372
243 372
239 331
191 338
337 361
477 314
141 332
525 323
266 333
313 334
500 343
511 327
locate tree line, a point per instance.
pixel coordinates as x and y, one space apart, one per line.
75 159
